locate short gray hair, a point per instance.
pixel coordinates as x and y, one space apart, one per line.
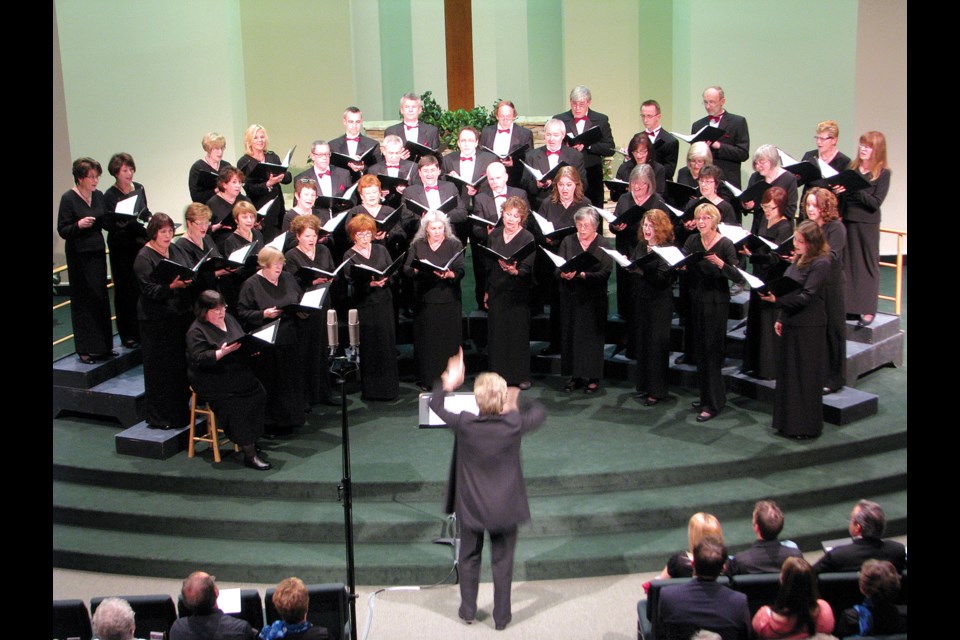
580 92
113 620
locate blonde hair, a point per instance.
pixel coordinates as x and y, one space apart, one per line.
248 138
702 525
269 256
490 390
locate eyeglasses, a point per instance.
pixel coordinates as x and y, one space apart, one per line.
822 138
201 223
706 181
360 234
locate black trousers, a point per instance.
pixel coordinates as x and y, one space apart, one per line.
503 544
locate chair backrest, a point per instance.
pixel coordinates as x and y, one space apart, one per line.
153 613
71 620
760 588
841 590
327 608
251 608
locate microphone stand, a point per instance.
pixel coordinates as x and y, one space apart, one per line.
344 366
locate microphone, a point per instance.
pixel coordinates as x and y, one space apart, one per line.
353 328
333 337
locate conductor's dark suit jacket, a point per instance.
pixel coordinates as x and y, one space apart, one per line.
489 488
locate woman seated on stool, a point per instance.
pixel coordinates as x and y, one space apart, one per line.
226 381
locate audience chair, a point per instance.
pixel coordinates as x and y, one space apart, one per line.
251 608
327 608
71 620
153 613
213 433
760 588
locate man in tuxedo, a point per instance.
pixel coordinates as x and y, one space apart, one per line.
487 204
487 486
702 603
354 143
206 621
411 128
431 193
666 148
468 163
394 166
505 137
867 523
578 119
734 147
546 158
767 553
332 181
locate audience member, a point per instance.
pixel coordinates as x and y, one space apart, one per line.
206 620
867 523
880 584
797 612
767 554
700 526
292 600
113 620
702 603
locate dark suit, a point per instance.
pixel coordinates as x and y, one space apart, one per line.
519 136
407 170
216 626
490 494
417 193
537 158
702 604
593 154
427 134
451 163
764 556
340 146
667 150
734 145
849 557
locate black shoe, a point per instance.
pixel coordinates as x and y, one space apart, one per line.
465 619
256 463
827 391
85 358
131 343
649 402
572 383
682 359
503 625
705 416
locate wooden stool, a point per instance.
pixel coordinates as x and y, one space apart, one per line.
213 433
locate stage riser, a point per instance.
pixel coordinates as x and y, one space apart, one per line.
69 372
159 444
862 359
119 398
370 526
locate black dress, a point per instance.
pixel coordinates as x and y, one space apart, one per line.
761 344
277 368
508 318
861 215
836 235
197 193
583 310
652 316
709 310
378 338
437 315
87 265
234 393
125 237
312 330
546 291
798 403
626 242
788 182
260 194
164 316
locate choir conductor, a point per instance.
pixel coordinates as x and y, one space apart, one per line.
489 492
